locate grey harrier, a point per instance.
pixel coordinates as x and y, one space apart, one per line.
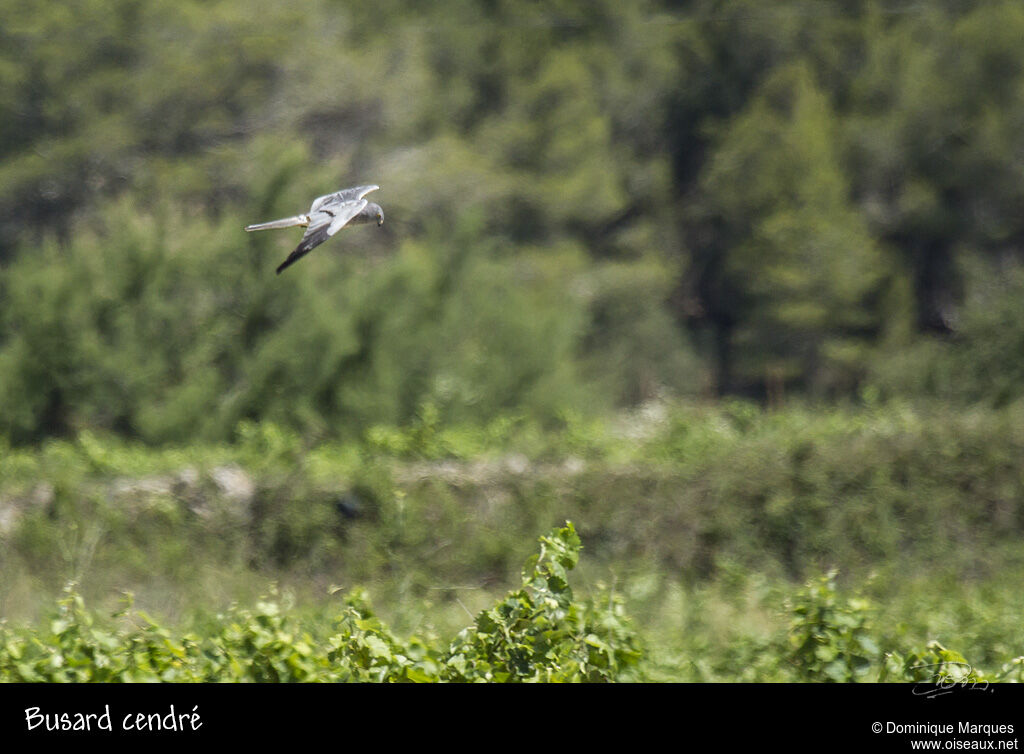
327 215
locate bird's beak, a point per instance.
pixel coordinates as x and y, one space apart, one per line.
380 220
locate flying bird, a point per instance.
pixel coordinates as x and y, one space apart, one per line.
327 215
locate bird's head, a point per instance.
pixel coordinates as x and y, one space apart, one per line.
374 212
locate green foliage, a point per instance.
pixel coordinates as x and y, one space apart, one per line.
829 636
983 363
265 645
825 634
786 492
807 192
367 650
801 270
933 664
536 634
75 649
825 201
166 335
133 163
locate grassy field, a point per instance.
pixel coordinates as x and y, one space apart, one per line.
727 543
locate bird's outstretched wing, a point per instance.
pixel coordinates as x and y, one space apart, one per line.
345 195
327 216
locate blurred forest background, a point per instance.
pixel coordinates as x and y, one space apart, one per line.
761 238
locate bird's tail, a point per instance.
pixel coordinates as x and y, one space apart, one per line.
288 222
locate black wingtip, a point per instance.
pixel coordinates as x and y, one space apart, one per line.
292 259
